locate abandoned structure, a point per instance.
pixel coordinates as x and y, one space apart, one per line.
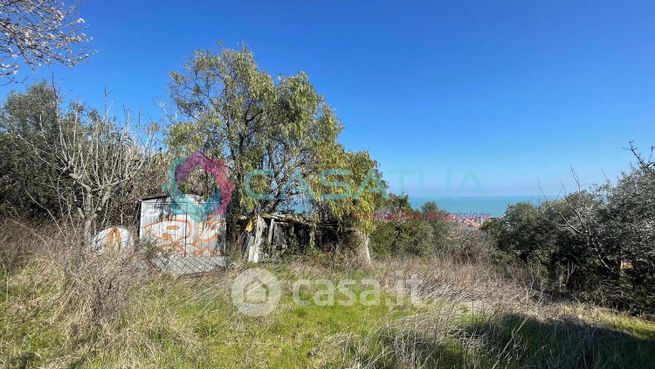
187 244
190 244
271 235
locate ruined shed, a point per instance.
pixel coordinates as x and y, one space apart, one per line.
271 235
187 244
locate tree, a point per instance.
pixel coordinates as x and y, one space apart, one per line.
402 232
39 32
100 157
595 244
272 134
349 193
628 233
645 163
442 226
50 155
26 185
350 190
70 164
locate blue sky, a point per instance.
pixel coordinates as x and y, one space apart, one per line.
452 98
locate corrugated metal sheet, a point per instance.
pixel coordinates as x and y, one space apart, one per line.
187 245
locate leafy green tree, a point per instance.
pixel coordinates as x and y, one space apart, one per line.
442 226
27 183
595 244
277 135
628 234
401 230
350 190
522 232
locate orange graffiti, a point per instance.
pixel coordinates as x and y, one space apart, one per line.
114 237
184 237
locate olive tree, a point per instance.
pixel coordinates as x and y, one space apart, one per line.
26 186
595 243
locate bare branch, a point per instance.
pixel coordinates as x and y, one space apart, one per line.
39 32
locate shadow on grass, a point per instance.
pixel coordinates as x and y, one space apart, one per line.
524 342
508 341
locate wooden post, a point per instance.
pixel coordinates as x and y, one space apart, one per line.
270 232
367 250
312 237
254 248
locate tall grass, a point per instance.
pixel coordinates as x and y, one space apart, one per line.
63 306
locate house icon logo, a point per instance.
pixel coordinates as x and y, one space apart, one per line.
256 292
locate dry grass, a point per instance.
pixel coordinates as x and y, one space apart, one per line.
59 291
482 317
61 307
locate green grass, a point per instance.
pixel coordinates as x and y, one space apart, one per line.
28 332
630 325
191 323
194 329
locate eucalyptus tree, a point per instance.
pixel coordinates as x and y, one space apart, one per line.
275 134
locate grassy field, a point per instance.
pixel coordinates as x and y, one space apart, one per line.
470 317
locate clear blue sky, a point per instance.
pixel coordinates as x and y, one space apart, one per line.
505 96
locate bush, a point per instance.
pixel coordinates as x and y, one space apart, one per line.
402 237
596 244
429 232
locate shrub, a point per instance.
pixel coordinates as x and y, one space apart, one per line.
596 244
402 237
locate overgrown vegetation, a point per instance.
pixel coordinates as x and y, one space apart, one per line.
62 308
278 136
595 244
68 171
401 230
72 164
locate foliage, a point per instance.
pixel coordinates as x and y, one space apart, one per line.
278 128
442 226
278 137
25 181
596 244
402 230
350 191
71 163
404 233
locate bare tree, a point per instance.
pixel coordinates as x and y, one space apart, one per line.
100 157
39 32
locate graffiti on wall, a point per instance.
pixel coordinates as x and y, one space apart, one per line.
112 240
181 234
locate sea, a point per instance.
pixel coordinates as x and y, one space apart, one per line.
476 206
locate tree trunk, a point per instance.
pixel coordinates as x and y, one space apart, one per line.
88 215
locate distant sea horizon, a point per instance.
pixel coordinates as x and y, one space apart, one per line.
486 206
